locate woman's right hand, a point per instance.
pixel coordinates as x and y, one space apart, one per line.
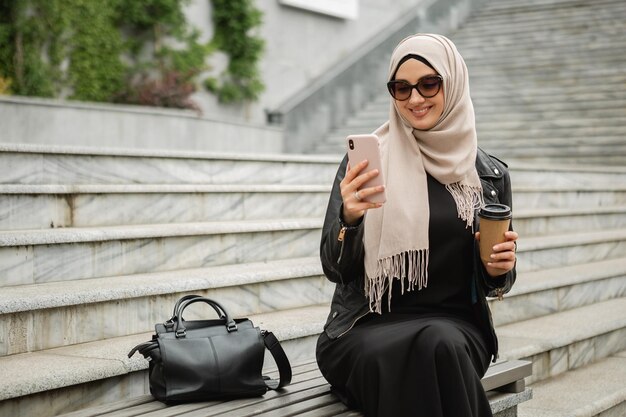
354 204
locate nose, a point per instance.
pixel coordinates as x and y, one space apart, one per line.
416 97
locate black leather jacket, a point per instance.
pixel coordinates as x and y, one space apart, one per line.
342 257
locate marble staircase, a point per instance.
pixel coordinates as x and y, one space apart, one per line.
547 78
96 246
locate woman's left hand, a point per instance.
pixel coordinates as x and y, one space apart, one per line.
503 255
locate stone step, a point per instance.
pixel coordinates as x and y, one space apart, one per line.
491 7
488 130
54 206
563 21
95 362
558 152
37 256
566 340
549 221
543 128
551 251
46 164
526 56
610 35
549 111
593 390
550 73
69 366
552 290
491 88
45 207
611 160
549 196
551 142
502 122
46 316
546 12
45 305
555 174
510 112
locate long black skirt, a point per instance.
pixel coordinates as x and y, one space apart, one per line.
399 364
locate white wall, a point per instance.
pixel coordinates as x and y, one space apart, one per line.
300 46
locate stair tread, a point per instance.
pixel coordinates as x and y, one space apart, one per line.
530 337
547 279
107 233
160 188
126 232
66 293
585 391
163 153
70 365
95 360
570 239
531 213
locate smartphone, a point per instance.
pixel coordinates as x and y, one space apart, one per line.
362 147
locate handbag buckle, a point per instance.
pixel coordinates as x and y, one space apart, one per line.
232 326
181 333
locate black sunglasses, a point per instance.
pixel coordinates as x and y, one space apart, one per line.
427 87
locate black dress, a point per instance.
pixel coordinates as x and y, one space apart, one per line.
426 357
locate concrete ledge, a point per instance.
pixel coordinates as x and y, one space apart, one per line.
571 239
101 234
37 120
60 294
161 188
77 364
518 340
584 392
165 153
531 337
547 279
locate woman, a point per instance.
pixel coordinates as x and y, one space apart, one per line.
409 332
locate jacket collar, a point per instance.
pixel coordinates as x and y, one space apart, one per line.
488 167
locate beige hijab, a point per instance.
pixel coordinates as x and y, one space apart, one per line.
396 235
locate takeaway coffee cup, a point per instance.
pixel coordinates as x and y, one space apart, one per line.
494 222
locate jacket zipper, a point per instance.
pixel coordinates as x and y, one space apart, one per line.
341 238
353 323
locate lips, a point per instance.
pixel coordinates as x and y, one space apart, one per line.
421 111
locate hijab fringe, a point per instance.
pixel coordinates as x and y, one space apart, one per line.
467 199
410 267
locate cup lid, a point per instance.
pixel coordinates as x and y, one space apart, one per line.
495 211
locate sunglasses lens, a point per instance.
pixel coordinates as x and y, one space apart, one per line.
400 90
429 86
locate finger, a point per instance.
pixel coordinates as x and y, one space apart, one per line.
503 247
511 235
507 256
477 236
352 173
363 178
370 191
501 267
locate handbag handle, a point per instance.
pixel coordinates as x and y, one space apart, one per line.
180 328
176 312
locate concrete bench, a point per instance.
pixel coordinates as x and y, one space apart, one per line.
309 395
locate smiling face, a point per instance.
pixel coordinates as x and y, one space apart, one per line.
421 113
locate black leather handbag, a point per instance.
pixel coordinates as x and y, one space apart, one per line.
204 360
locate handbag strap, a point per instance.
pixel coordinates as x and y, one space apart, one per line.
284 367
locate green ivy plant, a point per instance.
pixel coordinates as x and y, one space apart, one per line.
233 21
118 50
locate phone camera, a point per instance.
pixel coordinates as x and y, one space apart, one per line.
351 144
